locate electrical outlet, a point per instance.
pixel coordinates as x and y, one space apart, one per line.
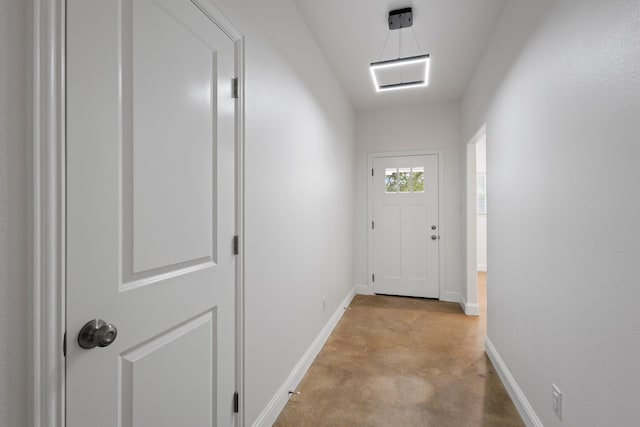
324 303
556 400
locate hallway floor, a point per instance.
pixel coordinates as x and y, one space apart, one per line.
396 361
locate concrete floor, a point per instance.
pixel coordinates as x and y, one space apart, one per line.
396 361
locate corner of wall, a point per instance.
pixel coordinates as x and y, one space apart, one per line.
361 289
519 399
470 309
270 413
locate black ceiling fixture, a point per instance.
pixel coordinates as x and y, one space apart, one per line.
401 18
388 74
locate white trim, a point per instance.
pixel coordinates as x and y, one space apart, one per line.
441 251
221 20
240 202
525 409
224 23
271 412
482 132
47 291
363 290
471 223
471 228
469 308
481 268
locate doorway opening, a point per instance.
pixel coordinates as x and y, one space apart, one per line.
476 224
481 221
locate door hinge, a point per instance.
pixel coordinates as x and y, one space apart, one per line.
373 277
64 344
371 171
236 245
373 225
236 403
234 88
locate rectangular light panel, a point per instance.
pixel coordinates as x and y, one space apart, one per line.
400 62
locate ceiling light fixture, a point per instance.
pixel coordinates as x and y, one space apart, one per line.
415 67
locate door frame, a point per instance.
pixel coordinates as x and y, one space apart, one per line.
441 243
47 309
470 303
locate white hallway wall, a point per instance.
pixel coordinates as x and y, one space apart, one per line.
562 114
412 128
300 143
14 210
519 18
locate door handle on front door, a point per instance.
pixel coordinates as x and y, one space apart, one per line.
97 333
434 237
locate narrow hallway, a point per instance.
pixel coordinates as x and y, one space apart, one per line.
396 361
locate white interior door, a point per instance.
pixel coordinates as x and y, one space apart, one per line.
150 214
405 227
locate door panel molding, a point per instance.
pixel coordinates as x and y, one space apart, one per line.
47 309
370 208
197 337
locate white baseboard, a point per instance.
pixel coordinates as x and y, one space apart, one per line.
470 309
482 267
270 413
519 399
363 290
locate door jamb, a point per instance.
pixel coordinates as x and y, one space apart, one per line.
440 155
47 291
470 303
47 308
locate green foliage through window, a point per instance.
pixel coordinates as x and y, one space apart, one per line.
418 180
404 180
391 180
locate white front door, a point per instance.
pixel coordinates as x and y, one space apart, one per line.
405 227
150 215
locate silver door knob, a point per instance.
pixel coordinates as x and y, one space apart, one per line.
434 237
97 333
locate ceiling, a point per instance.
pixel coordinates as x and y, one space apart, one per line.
352 33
